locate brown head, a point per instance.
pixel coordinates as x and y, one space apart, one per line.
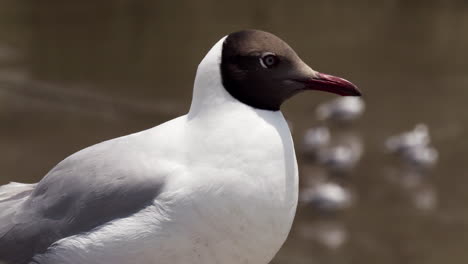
261 70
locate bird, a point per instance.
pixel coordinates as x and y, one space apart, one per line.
414 147
421 156
315 139
343 156
341 110
327 197
418 137
216 185
328 232
340 157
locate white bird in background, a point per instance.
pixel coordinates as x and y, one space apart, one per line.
339 157
415 150
330 233
217 185
342 157
418 137
413 147
344 109
326 197
315 139
421 156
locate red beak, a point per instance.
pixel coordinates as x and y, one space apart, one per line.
332 84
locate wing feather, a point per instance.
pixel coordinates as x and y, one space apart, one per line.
101 183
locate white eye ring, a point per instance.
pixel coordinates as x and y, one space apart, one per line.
268 60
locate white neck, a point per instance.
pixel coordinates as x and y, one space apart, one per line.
208 91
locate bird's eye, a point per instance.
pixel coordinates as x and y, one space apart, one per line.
268 60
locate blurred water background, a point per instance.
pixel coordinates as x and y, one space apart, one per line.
74 73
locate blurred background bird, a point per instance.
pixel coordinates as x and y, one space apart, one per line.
341 109
413 147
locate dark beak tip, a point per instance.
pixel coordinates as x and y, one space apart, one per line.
355 92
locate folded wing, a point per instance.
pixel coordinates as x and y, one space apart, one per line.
99 184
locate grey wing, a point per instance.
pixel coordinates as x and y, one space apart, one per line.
88 189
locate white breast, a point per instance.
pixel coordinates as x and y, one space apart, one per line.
243 187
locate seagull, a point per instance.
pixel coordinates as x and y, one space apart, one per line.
345 109
327 197
421 156
413 147
315 139
217 185
342 157
329 233
418 137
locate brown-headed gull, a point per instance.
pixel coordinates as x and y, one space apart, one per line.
217 185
